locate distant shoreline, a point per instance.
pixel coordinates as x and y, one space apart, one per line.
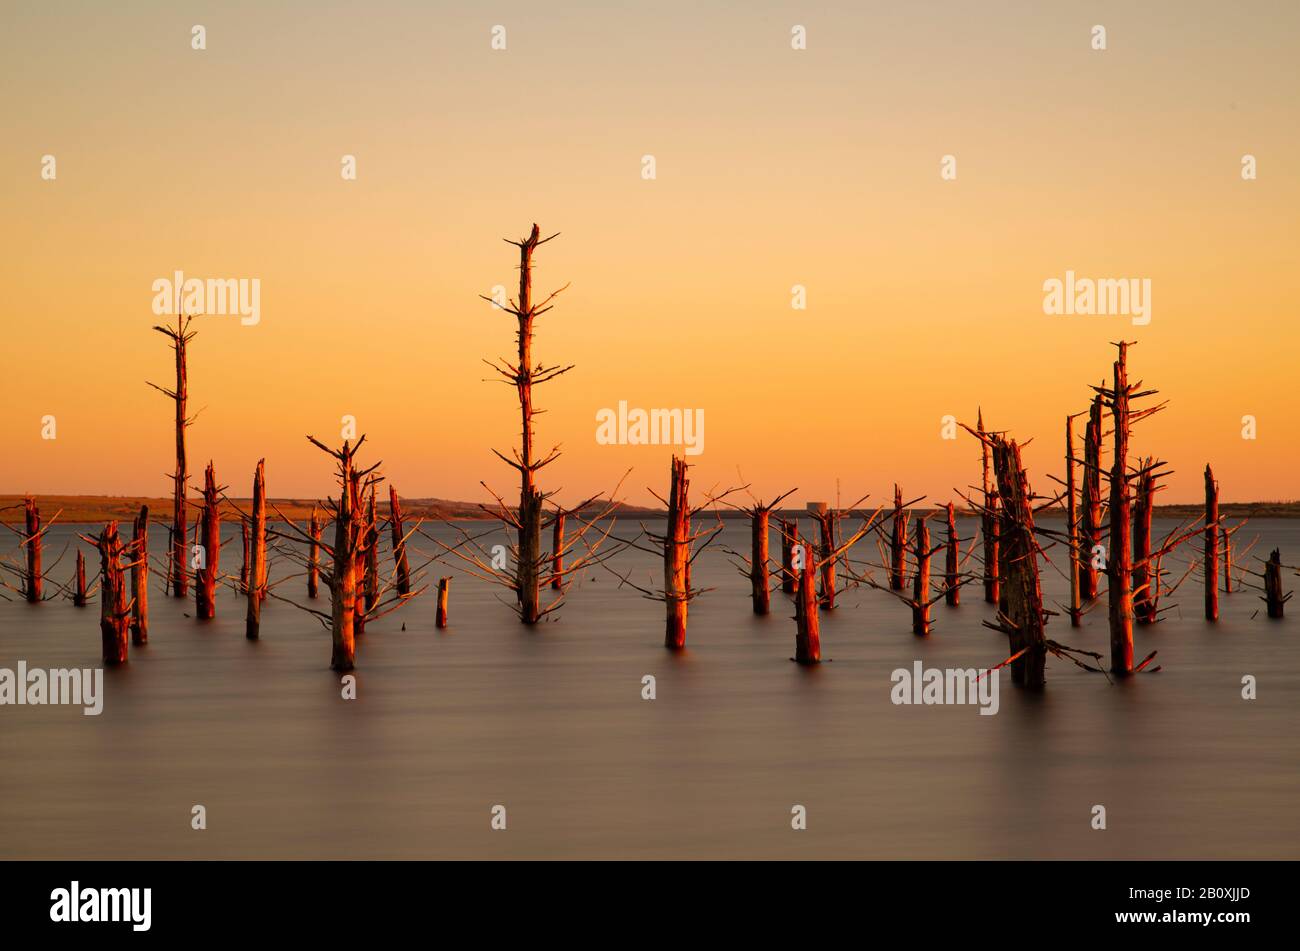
93 509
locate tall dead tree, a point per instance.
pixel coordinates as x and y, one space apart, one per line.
827 520
1144 584
807 638
921 579
898 543
1212 528
205 578
395 523
1090 503
372 553
32 543
79 596
140 578
180 336
1072 526
789 539
677 541
257 572
989 521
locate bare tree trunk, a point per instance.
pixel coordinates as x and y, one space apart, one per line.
139 578
677 555
789 539
399 543
760 593
243 565
1020 582
372 555
807 641
33 581
1144 580
79 593
1119 580
1211 546
952 563
180 338
1273 596
825 518
921 580
444 591
898 544
343 576
113 612
557 552
205 578
313 556
1091 502
989 524
256 555
1227 562
1072 525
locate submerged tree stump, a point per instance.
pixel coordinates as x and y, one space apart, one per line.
1022 618
921 580
395 522
989 522
32 580
256 555
1090 516
444 592
205 578
1072 526
1119 564
677 555
952 563
243 564
898 543
825 518
79 592
1144 581
140 578
1274 599
760 593
114 613
1211 546
807 640
1227 561
557 551
372 555
313 556
789 539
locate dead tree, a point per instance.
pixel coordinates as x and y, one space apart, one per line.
140 578
757 567
1072 525
397 527
1091 516
114 609
898 543
921 579
313 557
243 565
807 638
79 595
1212 528
32 543
952 563
372 554
1273 596
205 579
1144 585
180 336
789 539
257 570
989 521
444 592
557 550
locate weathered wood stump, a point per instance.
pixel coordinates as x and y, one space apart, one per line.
32 580
807 640
789 539
1144 581
557 552
1090 517
677 557
760 593
444 592
256 555
313 555
898 543
952 563
114 613
205 578
1211 546
79 592
921 579
396 524
1274 599
140 578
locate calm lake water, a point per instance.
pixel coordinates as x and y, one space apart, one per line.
550 723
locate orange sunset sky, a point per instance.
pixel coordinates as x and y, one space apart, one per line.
775 167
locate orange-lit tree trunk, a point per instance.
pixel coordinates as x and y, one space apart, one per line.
114 614
403 568
807 640
1144 581
826 519
140 578
205 578
760 593
313 556
1227 562
372 555
32 582
1072 525
952 562
1091 502
343 574
180 337
677 554
444 592
1020 582
921 580
256 555
1211 546
243 565
898 544
557 551
1119 564
989 523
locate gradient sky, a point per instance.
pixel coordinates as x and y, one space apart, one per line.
775 167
